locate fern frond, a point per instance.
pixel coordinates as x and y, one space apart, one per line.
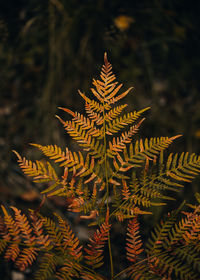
125 190
150 147
27 257
94 249
24 226
53 232
84 122
83 139
133 241
41 238
176 171
37 170
13 230
160 234
69 241
114 113
96 117
68 271
12 252
140 271
171 263
95 106
47 267
118 144
185 169
119 123
73 162
3 244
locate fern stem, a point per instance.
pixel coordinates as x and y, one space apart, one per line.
107 194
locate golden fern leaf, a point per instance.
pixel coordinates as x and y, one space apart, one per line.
67 159
75 163
125 190
53 232
82 138
37 170
119 123
184 169
12 227
133 241
96 117
69 241
41 238
149 148
106 89
113 113
94 106
94 251
27 257
24 226
84 122
12 252
118 144
53 152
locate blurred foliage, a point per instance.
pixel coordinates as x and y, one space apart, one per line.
51 48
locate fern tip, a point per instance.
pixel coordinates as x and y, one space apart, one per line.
33 144
17 154
61 120
67 110
105 58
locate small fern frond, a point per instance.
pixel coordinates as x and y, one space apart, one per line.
24 225
119 144
47 267
53 232
149 148
94 105
172 250
94 116
94 249
12 252
119 123
133 241
3 244
13 230
161 231
83 139
115 112
69 241
37 170
84 122
183 169
26 258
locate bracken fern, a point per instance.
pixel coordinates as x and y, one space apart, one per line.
112 178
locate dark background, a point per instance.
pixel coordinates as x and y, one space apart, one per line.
50 49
